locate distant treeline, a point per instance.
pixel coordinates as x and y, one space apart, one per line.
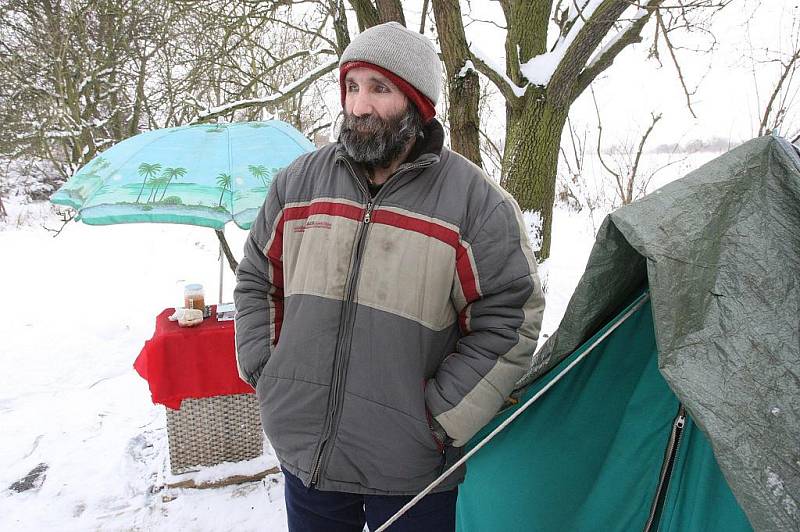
714 144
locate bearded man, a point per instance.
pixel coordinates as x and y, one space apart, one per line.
387 302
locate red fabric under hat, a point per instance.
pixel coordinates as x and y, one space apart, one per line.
425 106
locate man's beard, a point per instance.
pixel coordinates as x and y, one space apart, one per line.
376 142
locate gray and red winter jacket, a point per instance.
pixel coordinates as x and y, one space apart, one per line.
358 318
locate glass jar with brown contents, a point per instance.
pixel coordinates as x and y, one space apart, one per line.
194 297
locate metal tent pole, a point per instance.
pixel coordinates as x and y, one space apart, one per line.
221 265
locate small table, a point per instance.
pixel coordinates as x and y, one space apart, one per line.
190 362
212 415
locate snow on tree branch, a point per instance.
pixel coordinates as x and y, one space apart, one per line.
539 69
486 66
468 65
619 36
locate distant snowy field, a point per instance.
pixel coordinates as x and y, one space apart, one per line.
76 311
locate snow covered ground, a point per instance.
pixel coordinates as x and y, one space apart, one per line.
77 310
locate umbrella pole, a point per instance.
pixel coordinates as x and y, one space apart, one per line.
221 266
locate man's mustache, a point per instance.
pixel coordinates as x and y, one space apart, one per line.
365 122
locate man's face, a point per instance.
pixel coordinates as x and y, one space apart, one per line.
368 92
379 120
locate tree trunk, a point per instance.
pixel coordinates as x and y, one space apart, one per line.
340 25
138 99
390 10
464 90
366 14
226 250
530 160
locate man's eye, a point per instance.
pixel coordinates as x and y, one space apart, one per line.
352 88
381 88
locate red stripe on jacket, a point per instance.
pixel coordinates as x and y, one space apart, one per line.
329 208
418 225
469 286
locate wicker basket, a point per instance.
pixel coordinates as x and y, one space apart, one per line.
208 431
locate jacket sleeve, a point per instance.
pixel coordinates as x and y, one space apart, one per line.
258 295
499 298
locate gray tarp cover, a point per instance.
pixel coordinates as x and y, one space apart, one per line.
720 251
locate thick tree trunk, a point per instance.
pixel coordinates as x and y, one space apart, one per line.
390 10
535 121
138 101
366 14
530 161
464 90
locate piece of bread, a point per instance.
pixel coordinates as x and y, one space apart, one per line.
191 317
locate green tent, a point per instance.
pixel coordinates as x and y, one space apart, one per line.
682 409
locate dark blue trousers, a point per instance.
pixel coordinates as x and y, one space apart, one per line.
312 510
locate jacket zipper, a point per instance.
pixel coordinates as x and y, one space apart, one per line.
345 325
667 467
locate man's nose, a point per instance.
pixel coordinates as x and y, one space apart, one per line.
362 104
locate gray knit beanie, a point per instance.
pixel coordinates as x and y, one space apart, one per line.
406 53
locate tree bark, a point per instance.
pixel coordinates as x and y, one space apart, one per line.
226 250
530 161
340 25
463 90
366 14
390 10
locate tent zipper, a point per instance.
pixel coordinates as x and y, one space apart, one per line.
670 454
345 323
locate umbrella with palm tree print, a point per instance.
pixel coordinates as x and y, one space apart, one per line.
202 174
205 174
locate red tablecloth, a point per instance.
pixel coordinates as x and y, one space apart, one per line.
179 363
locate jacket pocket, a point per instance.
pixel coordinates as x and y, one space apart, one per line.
383 448
293 415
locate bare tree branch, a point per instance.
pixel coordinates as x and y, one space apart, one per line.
495 150
665 34
634 170
66 215
785 79
283 94
617 176
425 5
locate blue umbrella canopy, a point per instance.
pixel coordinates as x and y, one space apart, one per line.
204 174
